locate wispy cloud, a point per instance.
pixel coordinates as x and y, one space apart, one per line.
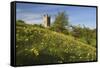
33 13
30 17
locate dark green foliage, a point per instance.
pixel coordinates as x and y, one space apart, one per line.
85 34
60 22
20 21
38 25
36 45
77 31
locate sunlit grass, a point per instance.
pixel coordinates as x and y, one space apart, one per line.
36 45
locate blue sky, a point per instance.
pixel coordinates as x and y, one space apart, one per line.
33 13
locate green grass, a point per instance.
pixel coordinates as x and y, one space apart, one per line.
35 45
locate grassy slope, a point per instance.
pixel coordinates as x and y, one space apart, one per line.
39 46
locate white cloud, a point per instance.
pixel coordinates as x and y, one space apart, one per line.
30 17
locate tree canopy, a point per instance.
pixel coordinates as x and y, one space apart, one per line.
61 21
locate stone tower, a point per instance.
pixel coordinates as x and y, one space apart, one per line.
46 21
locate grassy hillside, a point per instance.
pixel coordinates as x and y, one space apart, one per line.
35 45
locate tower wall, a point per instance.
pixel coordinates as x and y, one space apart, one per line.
46 21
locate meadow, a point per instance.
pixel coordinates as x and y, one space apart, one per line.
38 45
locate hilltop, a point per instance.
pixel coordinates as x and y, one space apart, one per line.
37 45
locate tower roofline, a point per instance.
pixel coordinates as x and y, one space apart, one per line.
46 19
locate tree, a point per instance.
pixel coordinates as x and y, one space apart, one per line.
85 34
77 31
61 21
90 35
